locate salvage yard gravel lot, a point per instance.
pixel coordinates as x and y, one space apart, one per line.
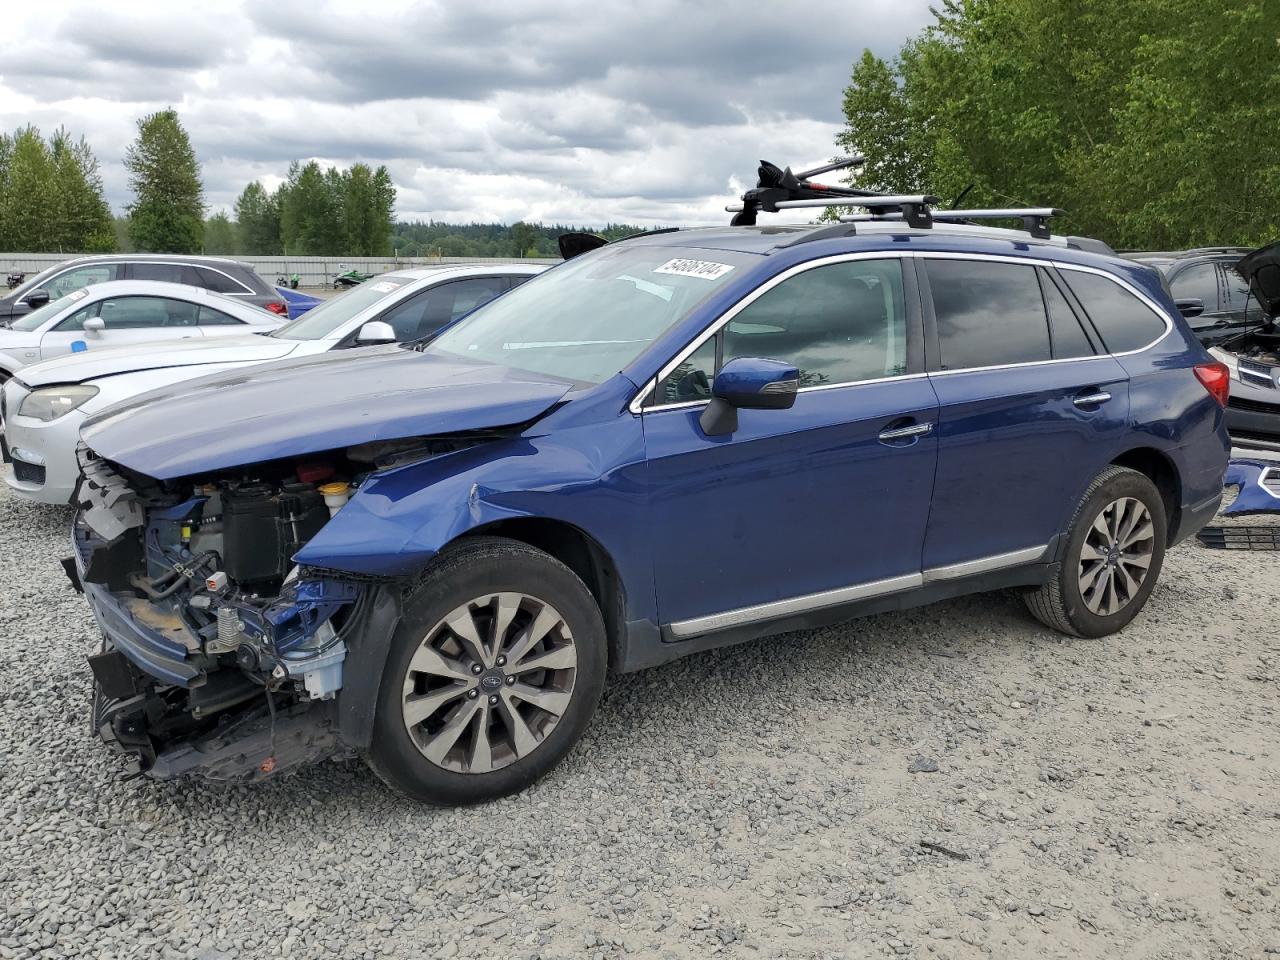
1095 798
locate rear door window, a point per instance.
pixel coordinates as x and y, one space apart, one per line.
1122 320
988 314
165 272
210 317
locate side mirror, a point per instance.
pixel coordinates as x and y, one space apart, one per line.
94 326
748 383
375 331
37 298
1189 306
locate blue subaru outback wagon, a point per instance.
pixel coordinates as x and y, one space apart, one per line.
431 555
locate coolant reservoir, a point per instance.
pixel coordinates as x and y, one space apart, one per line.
335 496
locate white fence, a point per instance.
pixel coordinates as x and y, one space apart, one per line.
312 271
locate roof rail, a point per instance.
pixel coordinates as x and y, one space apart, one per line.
1035 220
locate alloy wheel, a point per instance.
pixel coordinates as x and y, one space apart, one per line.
1116 556
489 682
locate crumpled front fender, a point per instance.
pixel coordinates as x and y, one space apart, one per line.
590 476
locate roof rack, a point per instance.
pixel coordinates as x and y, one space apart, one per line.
1035 220
780 189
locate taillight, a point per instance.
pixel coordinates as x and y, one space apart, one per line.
1216 379
275 306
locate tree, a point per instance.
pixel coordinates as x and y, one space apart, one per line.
1151 123
310 212
258 216
220 235
83 220
28 194
524 239
167 214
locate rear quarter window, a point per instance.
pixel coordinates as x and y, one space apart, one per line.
218 282
1122 320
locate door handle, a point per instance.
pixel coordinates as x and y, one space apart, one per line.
905 433
1092 399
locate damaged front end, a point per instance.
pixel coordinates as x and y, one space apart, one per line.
222 658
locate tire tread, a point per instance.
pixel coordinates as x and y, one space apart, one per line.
1046 602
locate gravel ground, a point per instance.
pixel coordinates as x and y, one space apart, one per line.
1113 798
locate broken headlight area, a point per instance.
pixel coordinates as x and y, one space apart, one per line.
222 657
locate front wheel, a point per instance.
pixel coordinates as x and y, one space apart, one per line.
1114 552
492 676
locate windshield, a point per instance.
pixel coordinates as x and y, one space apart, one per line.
589 318
321 321
37 318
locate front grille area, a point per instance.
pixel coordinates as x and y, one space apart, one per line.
27 472
1254 406
1257 374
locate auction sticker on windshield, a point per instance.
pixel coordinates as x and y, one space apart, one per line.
704 269
385 286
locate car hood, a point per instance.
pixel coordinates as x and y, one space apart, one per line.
11 339
92 364
312 404
1261 268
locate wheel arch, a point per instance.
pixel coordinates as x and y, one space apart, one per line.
581 553
1161 471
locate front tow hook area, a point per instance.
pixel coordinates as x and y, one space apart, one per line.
69 566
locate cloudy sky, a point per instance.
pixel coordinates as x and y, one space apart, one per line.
579 111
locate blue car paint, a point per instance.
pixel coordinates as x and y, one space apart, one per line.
1253 497
1020 433
697 524
311 404
297 303
752 518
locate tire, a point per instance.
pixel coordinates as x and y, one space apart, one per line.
495 730
1075 600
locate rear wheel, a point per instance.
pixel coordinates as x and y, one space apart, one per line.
1114 552
492 676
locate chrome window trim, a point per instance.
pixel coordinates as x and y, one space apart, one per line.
636 406
246 291
852 384
777 609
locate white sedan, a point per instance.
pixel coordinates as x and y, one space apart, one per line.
122 313
43 405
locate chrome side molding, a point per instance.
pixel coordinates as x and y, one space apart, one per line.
777 609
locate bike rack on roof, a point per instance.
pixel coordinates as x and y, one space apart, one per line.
780 189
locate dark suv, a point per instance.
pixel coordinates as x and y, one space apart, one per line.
1207 275
228 277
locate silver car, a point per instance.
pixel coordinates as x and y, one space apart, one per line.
122 313
44 405
1253 357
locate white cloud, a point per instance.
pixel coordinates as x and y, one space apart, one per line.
581 111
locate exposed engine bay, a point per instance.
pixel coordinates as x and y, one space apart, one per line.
194 581
1260 346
